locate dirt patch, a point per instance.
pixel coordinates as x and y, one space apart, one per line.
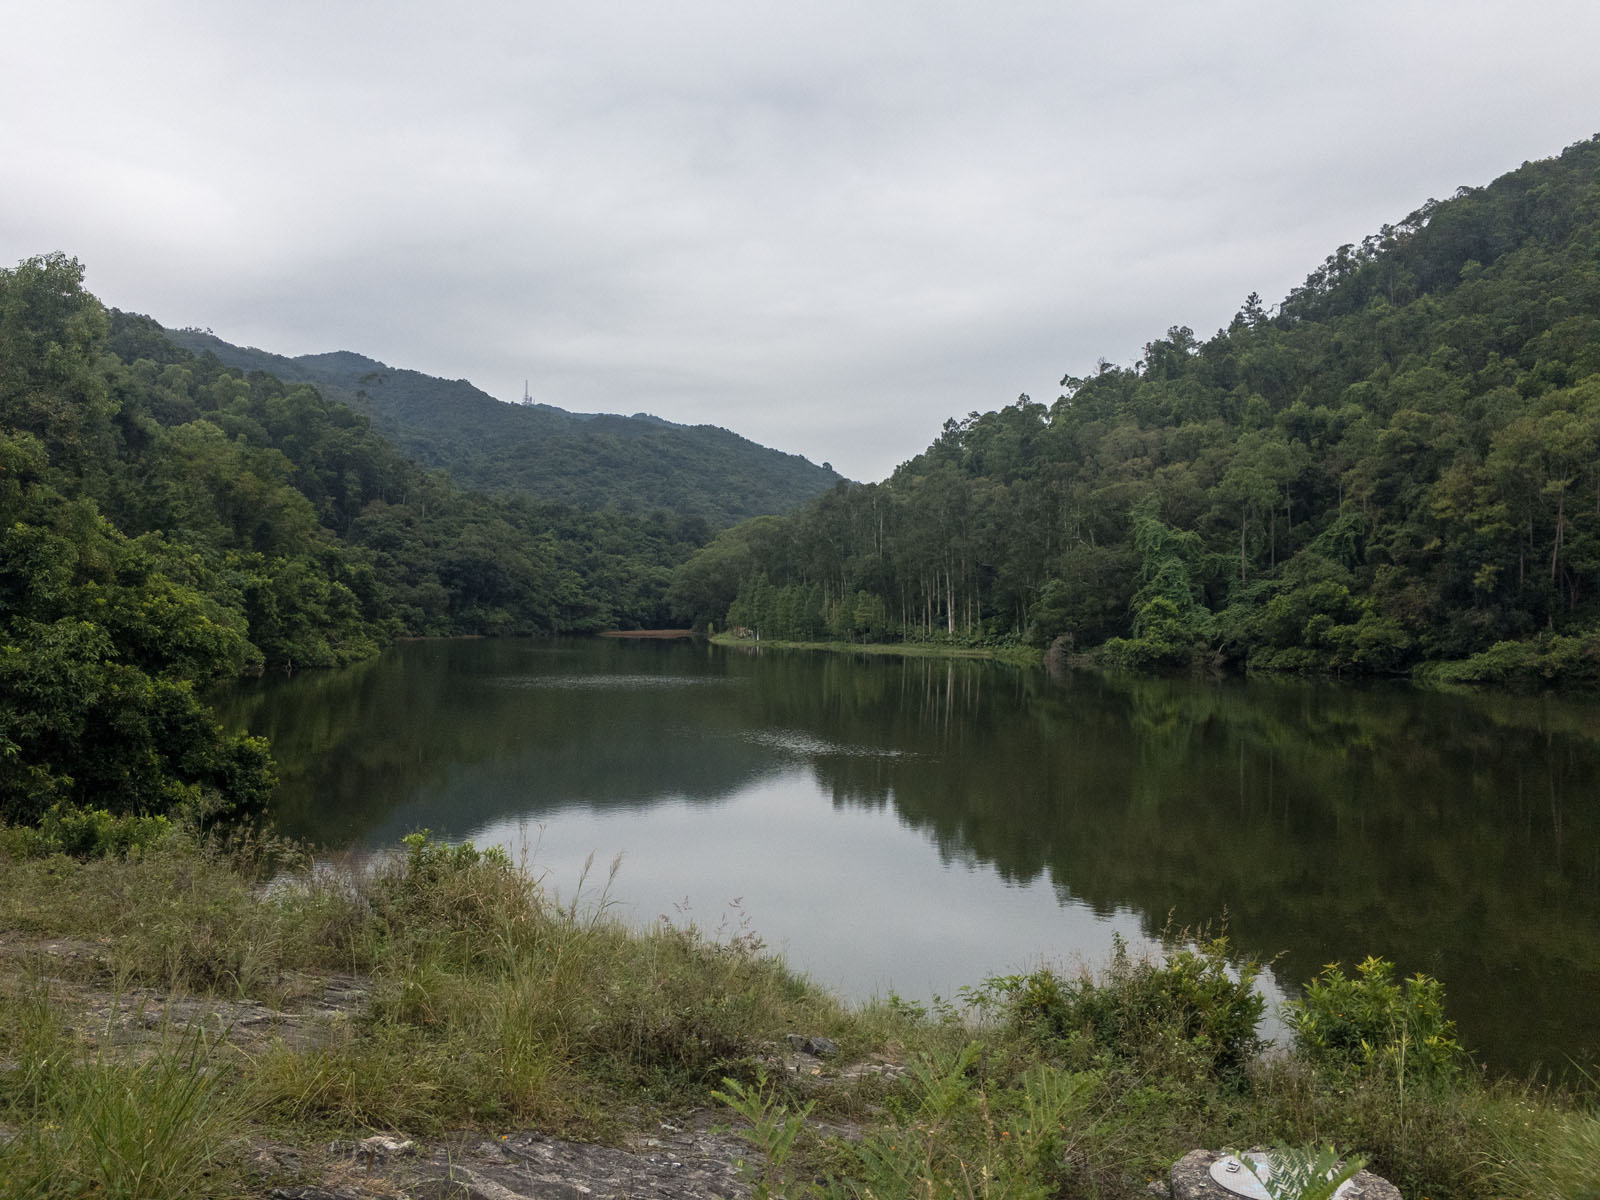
74 975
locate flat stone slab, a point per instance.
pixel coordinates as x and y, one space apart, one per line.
693 1161
680 1164
1191 1180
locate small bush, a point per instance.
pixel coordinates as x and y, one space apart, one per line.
1548 658
1190 1011
1372 1023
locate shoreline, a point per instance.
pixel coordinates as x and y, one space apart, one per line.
1011 656
441 1020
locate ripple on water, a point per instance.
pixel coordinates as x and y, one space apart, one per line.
600 683
794 741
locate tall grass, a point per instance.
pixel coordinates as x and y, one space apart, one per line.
94 1123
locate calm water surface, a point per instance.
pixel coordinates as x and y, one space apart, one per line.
916 825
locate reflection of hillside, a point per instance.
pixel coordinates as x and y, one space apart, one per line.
1328 822
451 735
648 767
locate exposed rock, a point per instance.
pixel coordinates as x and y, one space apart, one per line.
884 1068
1191 1180
373 1150
311 1011
817 1047
674 1164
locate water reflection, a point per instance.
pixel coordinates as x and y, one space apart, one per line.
1458 835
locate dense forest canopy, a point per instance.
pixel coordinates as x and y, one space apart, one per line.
166 521
1397 465
590 460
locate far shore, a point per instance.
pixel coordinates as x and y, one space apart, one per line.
1016 656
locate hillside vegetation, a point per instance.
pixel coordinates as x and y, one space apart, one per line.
590 460
166 521
1398 465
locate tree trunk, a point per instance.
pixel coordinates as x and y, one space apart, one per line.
1561 525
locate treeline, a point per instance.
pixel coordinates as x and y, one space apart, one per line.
1398 465
166 521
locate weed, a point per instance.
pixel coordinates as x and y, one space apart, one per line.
771 1128
962 1135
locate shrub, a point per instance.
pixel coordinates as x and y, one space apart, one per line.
1190 1008
84 833
1372 1023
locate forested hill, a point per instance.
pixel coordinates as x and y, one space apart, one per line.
589 460
1397 465
167 521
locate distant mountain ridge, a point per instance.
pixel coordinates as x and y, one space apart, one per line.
589 460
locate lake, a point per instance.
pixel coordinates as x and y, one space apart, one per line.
915 825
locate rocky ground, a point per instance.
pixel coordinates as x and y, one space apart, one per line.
676 1162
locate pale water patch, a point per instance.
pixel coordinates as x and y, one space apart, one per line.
849 897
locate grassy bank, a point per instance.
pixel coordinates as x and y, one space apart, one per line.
475 1003
1016 656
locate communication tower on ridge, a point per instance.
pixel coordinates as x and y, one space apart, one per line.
527 400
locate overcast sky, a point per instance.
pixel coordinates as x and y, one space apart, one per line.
827 227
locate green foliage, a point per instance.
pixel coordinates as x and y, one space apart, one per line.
1544 659
960 1134
166 522
771 1127
1192 1011
1302 1172
90 833
1372 1023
